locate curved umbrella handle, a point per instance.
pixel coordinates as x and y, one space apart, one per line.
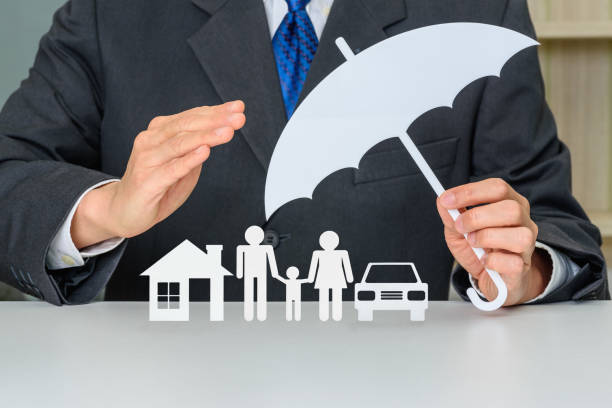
502 290
502 294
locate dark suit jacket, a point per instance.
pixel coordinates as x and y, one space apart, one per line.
107 67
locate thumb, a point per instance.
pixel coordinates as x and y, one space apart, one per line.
487 286
447 220
458 245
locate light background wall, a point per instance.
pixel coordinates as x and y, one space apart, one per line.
576 57
22 23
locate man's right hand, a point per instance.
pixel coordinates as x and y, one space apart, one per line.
161 173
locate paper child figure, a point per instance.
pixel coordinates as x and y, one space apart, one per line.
252 263
293 294
332 270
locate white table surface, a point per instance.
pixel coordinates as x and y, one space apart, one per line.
110 355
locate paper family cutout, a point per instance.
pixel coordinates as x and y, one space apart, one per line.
377 95
252 262
373 96
330 271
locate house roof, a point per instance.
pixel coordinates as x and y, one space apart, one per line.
189 261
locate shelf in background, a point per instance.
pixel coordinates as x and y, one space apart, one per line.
575 30
603 220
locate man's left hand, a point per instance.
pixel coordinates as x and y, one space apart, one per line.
500 223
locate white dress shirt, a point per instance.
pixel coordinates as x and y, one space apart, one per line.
64 254
318 11
62 251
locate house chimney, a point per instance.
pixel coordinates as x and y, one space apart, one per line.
214 252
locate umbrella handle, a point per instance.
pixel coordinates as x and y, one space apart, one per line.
344 48
502 290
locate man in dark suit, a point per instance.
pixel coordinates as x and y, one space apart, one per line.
92 151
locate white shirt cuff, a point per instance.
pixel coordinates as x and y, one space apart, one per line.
62 251
564 269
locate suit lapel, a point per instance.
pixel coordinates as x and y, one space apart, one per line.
361 23
235 50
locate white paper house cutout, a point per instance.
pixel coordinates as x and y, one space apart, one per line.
169 281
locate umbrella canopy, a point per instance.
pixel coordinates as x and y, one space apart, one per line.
376 95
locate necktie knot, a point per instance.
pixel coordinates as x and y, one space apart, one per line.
297 5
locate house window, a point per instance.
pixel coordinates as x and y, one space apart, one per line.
168 295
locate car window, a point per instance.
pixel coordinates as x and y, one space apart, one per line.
384 273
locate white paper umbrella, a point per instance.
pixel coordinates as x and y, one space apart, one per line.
377 95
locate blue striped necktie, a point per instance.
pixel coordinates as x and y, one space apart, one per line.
294 44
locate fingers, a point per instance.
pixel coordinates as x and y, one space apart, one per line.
447 220
198 119
465 256
482 192
513 270
487 287
506 213
184 143
232 107
509 265
195 123
171 137
498 220
519 240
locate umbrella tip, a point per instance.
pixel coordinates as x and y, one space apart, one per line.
344 48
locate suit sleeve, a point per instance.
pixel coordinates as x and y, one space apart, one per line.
516 139
49 153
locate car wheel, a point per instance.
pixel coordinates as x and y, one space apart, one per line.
417 315
365 315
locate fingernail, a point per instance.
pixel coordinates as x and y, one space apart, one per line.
472 239
235 106
448 199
